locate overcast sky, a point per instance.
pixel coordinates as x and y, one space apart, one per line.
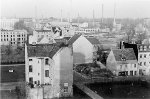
52 8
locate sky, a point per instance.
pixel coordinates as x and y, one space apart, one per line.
73 8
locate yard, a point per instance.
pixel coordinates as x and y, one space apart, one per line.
12 73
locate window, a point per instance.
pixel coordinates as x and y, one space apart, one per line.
30 68
46 61
140 63
144 55
35 82
134 65
131 73
140 55
135 72
65 89
31 80
30 59
46 73
145 63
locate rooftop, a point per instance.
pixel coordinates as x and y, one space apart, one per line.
73 39
93 40
42 50
128 53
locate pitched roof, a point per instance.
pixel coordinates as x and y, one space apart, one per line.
42 50
93 40
73 39
128 53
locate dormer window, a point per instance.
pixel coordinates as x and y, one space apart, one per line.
123 58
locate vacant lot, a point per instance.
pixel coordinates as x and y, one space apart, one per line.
17 75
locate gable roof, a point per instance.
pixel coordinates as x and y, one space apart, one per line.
134 46
73 39
93 40
128 53
42 50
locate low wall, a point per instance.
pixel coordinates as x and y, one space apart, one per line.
34 93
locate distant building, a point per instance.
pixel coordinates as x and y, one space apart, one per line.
45 36
13 37
84 50
122 62
87 30
144 59
50 66
6 23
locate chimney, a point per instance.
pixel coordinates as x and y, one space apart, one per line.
122 45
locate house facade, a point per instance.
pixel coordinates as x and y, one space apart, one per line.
47 67
13 37
83 49
122 62
144 59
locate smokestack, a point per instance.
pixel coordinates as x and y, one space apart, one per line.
102 14
61 15
78 19
114 14
93 19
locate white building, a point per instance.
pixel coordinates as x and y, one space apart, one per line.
87 30
144 59
122 62
13 37
46 66
84 50
6 23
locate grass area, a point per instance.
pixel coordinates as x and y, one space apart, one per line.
17 75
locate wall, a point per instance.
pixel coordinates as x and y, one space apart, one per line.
82 51
111 63
145 68
34 93
63 72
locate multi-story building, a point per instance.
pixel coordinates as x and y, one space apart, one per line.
84 49
8 23
144 59
47 67
122 62
13 37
